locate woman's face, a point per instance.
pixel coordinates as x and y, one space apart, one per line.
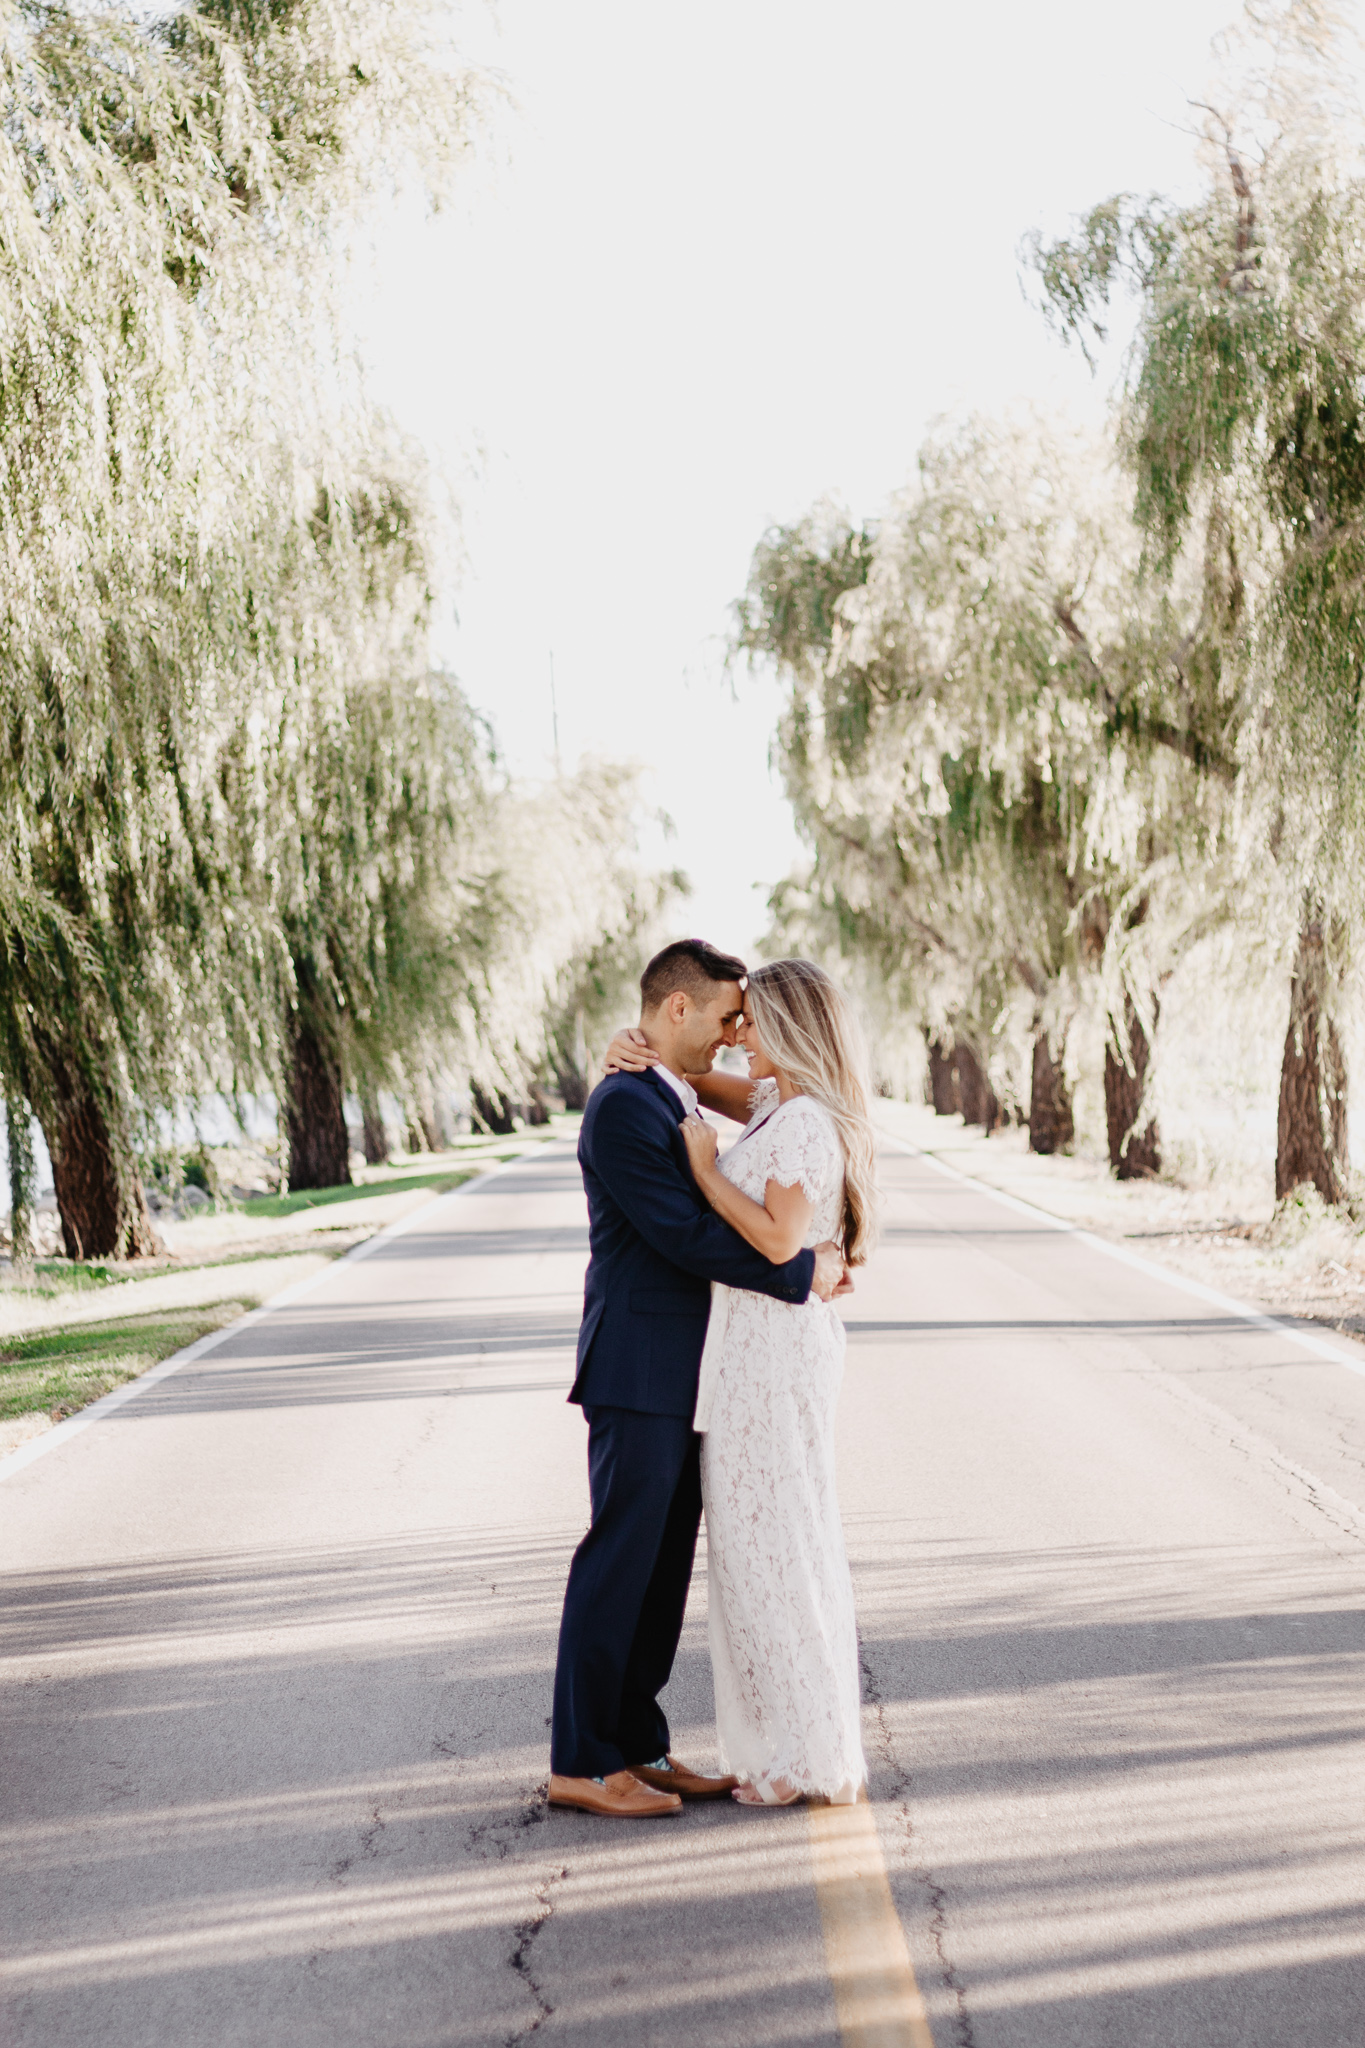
761 1067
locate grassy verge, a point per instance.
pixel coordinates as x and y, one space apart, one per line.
57 1358
439 1182
56 1372
51 1277
54 1278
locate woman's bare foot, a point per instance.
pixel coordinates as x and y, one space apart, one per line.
783 1794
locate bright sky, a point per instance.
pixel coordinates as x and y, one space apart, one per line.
720 262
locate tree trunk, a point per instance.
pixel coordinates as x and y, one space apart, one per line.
1051 1121
980 1103
104 1211
944 1093
571 1065
429 1120
23 1183
1312 1122
492 1114
573 1085
537 1109
1134 1141
374 1137
315 1116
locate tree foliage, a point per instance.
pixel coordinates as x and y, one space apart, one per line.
1245 410
567 919
1069 707
1007 750
251 839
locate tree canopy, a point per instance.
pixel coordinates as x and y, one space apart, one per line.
1071 704
251 836
1243 428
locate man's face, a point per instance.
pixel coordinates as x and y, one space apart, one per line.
710 1025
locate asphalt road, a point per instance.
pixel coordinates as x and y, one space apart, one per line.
278 1636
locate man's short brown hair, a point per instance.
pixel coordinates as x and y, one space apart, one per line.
691 965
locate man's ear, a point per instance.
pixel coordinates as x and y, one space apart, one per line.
677 1006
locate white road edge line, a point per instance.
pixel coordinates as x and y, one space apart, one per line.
1316 1347
37 1446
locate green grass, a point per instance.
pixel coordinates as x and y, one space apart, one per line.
67 1276
283 1248
59 1371
328 1198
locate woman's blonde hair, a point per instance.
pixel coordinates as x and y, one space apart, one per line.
808 1029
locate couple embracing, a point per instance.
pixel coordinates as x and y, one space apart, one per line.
709 1362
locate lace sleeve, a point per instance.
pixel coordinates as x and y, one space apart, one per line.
802 1149
762 1096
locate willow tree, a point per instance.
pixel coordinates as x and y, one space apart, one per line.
564 920
1005 753
170 391
97 512
372 888
340 828
1244 406
598 982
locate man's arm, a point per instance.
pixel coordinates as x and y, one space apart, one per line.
634 1159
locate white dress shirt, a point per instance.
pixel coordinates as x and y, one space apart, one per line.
685 1092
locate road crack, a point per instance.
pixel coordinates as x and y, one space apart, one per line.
1336 1522
525 1935
497 1833
369 1838
935 1893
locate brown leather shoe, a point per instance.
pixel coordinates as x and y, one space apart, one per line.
677 1778
620 1796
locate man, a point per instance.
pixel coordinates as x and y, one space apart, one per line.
655 1248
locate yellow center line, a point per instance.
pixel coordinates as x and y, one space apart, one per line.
876 1998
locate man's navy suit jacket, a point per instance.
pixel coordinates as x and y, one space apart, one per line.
656 1246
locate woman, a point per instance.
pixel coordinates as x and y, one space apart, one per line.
784 1645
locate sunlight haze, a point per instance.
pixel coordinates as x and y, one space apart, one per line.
710 267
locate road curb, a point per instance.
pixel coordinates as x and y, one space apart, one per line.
25 1454
1306 1340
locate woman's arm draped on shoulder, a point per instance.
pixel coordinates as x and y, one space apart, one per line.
629 1053
728 1094
632 1157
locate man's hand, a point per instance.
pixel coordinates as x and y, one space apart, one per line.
831 1275
701 1142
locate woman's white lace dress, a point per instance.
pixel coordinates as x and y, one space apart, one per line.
784 1644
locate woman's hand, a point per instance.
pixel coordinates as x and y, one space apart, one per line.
701 1143
628 1053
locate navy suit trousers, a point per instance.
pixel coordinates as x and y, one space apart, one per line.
623 1610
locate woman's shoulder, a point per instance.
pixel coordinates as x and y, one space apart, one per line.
808 1124
800 1142
805 1109
804 1121
762 1098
